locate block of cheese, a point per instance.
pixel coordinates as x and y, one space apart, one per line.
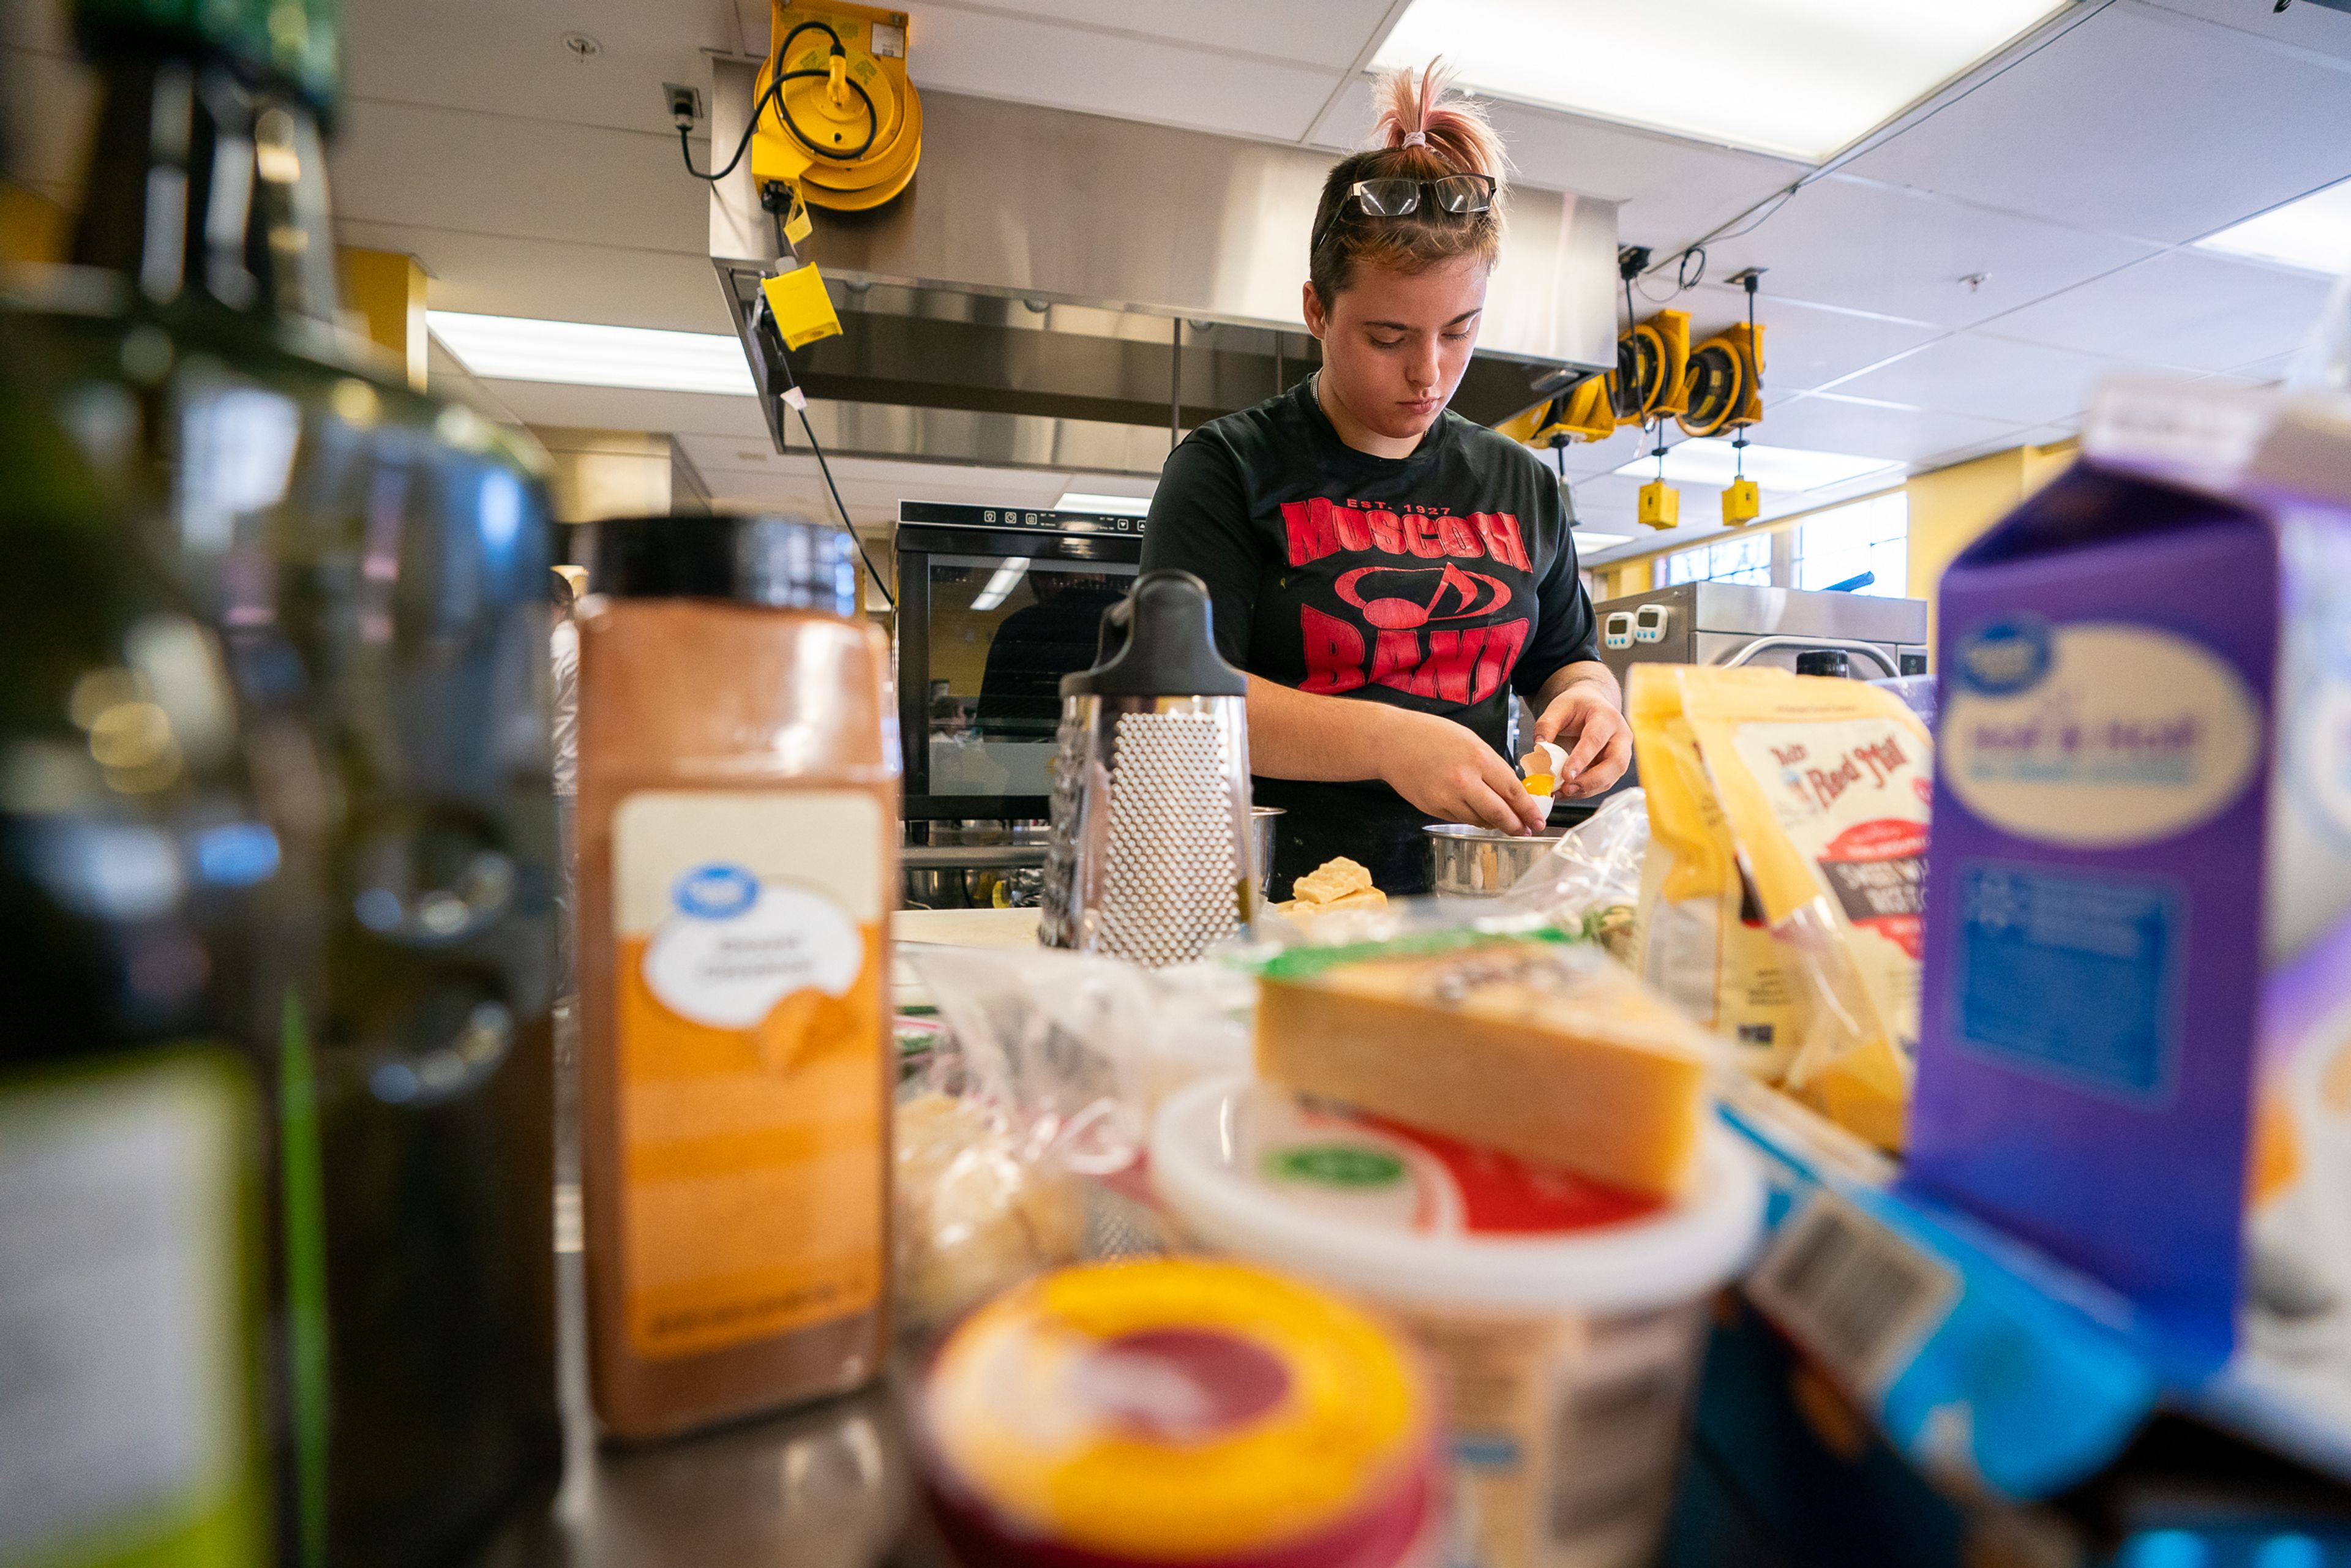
1543 1049
1362 898
1332 881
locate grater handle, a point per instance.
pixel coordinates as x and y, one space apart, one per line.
1117 626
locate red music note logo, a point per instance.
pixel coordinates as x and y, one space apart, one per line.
1475 594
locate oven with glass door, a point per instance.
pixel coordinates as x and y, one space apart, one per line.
996 604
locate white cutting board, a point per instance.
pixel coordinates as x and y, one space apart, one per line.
954 928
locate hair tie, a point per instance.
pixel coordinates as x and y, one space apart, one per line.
1415 139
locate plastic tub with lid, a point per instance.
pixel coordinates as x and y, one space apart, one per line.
1562 1318
1179 1413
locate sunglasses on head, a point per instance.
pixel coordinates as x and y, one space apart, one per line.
1456 195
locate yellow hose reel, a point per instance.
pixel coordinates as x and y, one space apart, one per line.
839 122
1725 386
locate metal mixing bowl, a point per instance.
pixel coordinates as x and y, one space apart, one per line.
1478 862
1261 843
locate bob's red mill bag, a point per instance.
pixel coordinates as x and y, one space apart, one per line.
1783 891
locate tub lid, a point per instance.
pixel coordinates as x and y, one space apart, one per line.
1408 1216
1178 1409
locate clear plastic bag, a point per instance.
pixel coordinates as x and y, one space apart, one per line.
1591 884
1016 1139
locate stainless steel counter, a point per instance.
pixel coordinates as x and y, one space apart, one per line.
823 1486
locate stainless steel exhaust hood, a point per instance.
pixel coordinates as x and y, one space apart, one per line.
1060 290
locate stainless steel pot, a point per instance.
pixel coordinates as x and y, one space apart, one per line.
1261 826
1478 862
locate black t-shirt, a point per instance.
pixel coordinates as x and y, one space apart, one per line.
1441 582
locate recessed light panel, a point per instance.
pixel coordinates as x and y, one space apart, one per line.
2312 233
1783 469
1801 79
1107 505
580 353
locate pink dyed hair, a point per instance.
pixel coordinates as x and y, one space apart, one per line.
1424 129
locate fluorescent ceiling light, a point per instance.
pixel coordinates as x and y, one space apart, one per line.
2312 233
1109 505
1784 469
1007 577
578 353
1590 540
1803 79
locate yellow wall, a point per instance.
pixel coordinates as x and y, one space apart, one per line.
1950 507
1618 578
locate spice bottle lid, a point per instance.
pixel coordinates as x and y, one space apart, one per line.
783 563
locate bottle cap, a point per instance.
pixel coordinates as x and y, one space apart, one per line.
294 44
783 563
1824 661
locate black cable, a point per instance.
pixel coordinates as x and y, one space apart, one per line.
784 111
774 94
686 141
872 119
791 383
1683 280
826 469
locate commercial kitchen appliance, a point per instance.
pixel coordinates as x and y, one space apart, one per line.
996 604
1733 623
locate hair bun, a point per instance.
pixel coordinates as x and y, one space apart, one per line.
1421 111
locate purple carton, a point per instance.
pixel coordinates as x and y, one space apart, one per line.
2136 1038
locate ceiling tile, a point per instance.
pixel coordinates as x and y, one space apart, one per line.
2137 122
510 59
2021 383
1115 74
1604 457
2262 371
2185 308
1804 346
619 408
1332 33
1823 422
1862 246
2313 27
555 280
1606 501
436 168
1673 191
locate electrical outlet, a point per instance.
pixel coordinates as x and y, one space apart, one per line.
685 104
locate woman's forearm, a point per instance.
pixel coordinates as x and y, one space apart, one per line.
1297 735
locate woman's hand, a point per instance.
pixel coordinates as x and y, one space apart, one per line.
1586 719
1445 769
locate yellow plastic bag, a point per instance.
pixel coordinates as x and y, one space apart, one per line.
1788 817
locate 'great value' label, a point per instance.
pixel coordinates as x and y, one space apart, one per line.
2097 735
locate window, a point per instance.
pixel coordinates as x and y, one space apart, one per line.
1870 537
1745 559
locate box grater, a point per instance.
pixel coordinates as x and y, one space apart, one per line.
1150 853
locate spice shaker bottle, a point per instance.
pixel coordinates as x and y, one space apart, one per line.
737 809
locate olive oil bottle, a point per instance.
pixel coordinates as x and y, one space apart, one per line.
374 563
137 1059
